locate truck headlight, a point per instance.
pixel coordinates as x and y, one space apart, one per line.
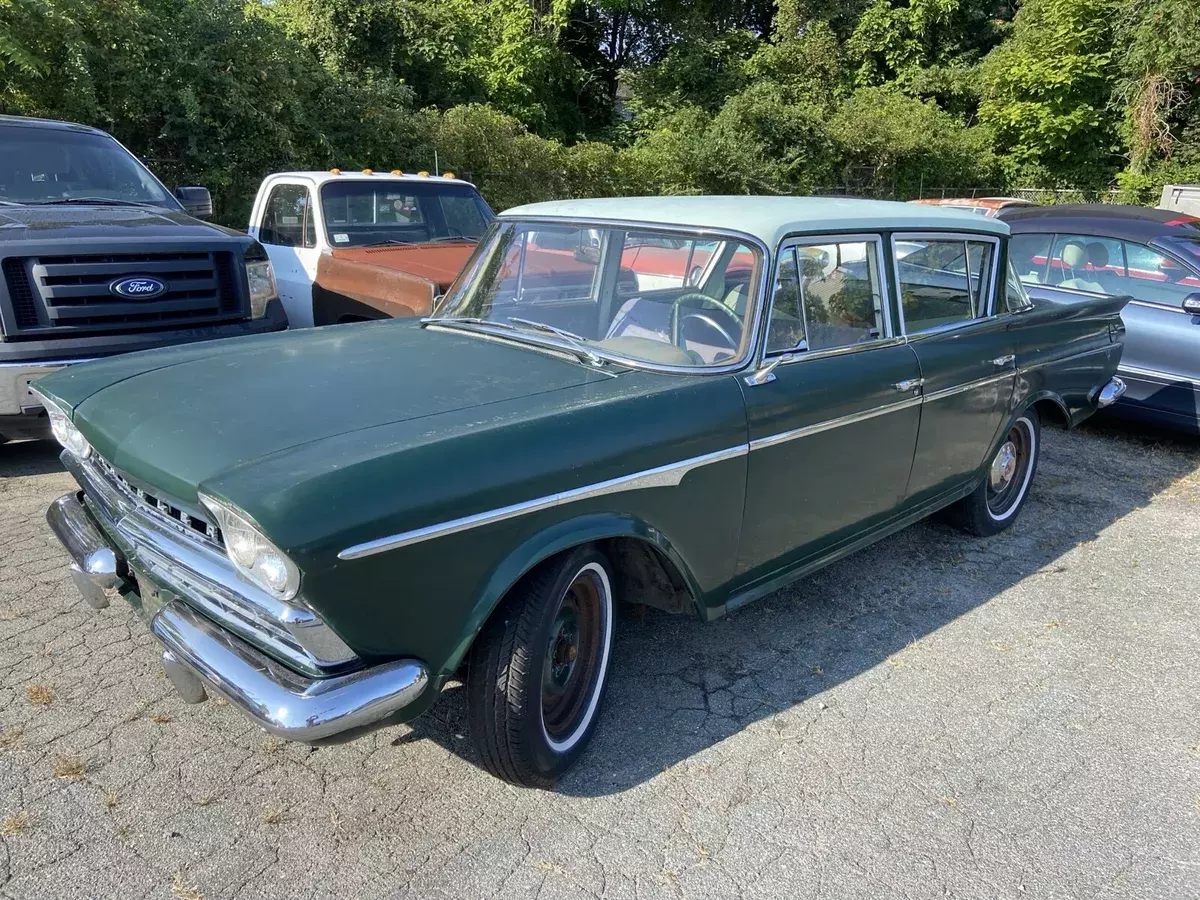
64 429
256 558
263 290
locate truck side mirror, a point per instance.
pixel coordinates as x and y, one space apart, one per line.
197 202
1191 303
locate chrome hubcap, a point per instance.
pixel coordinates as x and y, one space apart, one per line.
1004 466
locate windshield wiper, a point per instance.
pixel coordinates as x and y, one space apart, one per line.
466 323
386 242
452 237
93 201
576 341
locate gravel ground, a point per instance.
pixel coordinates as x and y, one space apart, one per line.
938 716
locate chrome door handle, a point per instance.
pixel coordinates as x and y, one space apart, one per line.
909 384
1001 361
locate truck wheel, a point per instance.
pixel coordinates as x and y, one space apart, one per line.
994 505
538 668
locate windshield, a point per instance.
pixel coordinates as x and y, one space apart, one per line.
665 298
47 165
362 213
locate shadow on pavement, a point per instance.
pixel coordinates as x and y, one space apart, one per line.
29 458
678 686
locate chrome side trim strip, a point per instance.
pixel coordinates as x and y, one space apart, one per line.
46 363
669 475
970 386
1061 359
784 436
1150 304
1139 372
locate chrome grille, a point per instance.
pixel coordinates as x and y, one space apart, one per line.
160 506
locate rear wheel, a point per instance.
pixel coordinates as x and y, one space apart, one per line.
995 504
537 670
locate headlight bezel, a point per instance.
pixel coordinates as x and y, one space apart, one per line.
64 430
251 552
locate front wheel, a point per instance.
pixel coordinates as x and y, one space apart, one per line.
994 505
538 668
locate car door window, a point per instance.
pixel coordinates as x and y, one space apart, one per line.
827 296
1087 262
1029 255
1015 298
945 281
287 217
1158 278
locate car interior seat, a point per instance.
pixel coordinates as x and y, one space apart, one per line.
1075 260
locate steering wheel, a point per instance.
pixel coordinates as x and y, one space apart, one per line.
696 300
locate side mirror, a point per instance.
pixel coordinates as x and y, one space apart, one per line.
1191 304
197 202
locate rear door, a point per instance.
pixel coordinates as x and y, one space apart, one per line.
832 434
947 305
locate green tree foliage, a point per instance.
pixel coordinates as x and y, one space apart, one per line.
562 98
1048 90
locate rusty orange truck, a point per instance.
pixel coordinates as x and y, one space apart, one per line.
365 245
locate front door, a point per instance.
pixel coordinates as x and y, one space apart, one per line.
288 232
834 426
947 296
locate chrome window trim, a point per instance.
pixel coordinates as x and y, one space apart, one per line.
764 264
947 236
669 475
783 437
810 240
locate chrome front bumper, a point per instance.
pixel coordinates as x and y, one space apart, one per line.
199 653
1110 393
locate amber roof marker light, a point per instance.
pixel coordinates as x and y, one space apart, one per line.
335 171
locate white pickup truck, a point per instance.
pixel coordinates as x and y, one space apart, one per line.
352 246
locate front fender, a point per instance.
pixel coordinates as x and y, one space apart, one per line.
553 540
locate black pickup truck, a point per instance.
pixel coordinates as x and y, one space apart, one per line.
98 258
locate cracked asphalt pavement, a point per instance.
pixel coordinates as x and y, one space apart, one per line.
937 716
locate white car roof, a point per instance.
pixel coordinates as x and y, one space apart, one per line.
317 179
769 219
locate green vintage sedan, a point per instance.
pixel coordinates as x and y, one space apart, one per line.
680 402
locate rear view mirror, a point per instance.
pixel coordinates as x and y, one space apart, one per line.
1191 303
196 201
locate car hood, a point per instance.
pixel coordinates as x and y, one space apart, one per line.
76 221
439 263
176 417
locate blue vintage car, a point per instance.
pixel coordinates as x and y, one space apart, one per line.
1152 255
